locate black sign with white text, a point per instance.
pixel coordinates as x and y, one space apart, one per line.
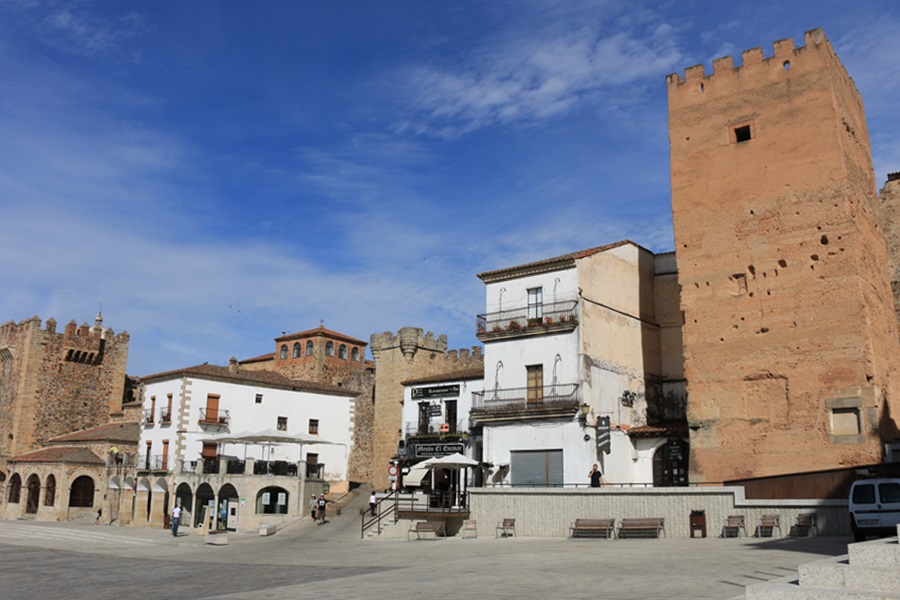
435 391
431 450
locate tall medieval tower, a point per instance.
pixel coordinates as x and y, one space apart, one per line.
790 340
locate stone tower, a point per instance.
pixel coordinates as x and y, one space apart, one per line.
407 355
54 383
790 340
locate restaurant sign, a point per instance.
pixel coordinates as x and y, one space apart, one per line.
435 391
432 450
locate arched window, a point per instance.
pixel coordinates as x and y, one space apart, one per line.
50 494
309 348
283 351
354 354
296 350
15 488
342 352
82 492
272 500
329 349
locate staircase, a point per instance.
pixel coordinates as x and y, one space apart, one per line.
870 571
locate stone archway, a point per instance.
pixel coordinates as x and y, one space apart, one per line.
670 464
228 507
206 498
33 497
14 490
81 494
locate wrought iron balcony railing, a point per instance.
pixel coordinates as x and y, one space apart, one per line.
157 462
214 417
148 416
528 320
165 415
521 398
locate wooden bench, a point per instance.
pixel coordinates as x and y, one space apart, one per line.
733 526
646 527
436 528
805 525
767 526
506 528
470 526
593 528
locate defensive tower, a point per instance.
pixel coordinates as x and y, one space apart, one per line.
790 339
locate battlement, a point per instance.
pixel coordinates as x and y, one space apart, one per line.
71 331
785 57
411 340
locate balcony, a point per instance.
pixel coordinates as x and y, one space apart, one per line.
512 404
165 416
556 317
156 462
148 416
214 417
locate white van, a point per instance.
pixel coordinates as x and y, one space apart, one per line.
874 507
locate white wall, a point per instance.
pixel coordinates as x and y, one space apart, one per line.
410 412
513 293
334 413
500 440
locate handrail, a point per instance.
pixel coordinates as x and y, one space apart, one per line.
380 514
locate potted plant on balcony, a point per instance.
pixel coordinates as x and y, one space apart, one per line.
497 329
548 320
223 420
514 326
534 322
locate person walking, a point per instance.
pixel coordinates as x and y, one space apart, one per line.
373 503
313 505
176 519
320 509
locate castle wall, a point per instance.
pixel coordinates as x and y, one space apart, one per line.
889 219
54 383
407 355
790 338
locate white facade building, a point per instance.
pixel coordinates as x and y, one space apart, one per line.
570 342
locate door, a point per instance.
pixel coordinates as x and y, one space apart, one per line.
232 522
535 378
889 496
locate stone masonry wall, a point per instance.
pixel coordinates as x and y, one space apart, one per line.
407 355
889 218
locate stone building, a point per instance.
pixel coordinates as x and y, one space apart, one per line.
398 358
327 356
790 338
52 383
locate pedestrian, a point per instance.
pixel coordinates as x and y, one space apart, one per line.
313 504
595 476
373 503
176 519
99 514
320 508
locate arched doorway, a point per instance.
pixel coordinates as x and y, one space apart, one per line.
184 498
272 501
228 507
205 503
33 485
50 494
15 489
81 494
670 464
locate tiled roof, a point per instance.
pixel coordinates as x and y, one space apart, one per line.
461 375
659 429
548 264
320 332
262 358
265 378
111 432
63 454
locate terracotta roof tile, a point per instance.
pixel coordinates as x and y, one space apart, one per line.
265 378
63 454
320 332
461 375
111 432
659 429
549 264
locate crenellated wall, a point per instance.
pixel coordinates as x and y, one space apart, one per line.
790 338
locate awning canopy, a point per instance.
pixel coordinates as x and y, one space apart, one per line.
415 476
451 461
266 438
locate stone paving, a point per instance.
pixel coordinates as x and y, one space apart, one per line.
72 561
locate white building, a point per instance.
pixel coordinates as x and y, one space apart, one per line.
570 342
185 410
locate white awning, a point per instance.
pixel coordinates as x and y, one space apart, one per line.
414 477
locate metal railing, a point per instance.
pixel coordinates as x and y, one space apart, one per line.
386 508
214 417
528 318
153 463
505 398
148 416
165 415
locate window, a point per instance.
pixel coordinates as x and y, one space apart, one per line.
211 414
284 351
329 348
354 354
309 348
536 303
535 378
450 405
165 455
259 398
296 353
282 424
423 418
342 352
152 409
314 427
742 133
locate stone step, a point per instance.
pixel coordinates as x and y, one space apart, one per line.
837 573
781 590
876 553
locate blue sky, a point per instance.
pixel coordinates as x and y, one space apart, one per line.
215 173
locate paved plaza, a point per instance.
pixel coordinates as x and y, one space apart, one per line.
71 561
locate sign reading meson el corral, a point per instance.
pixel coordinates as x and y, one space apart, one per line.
435 391
429 450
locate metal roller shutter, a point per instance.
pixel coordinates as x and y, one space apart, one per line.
536 468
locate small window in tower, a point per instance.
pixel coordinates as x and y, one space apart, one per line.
742 133
309 348
284 352
342 352
329 348
296 350
355 354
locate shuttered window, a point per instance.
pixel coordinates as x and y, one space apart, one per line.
536 468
